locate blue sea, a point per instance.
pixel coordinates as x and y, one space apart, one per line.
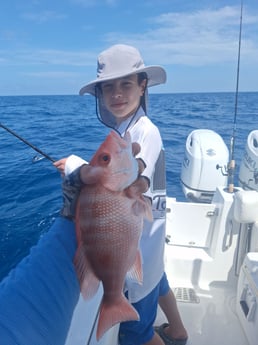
31 194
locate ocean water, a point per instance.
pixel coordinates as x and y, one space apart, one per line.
31 194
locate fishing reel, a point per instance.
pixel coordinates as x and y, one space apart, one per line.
223 169
227 170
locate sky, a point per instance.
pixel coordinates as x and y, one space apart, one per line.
51 47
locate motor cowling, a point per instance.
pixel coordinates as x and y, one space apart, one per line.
204 167
248 171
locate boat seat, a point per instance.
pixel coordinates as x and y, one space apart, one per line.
245 206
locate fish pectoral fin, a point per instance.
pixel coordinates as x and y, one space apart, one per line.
135 272
112 313
142 206
89 283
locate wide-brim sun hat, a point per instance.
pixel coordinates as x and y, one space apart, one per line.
119 61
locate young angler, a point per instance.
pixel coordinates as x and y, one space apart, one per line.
121 96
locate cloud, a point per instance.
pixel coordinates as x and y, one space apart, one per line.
197 38
7 35
43 16
63 75
94 3
47 57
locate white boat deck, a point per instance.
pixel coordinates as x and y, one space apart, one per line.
208 312
209 270
213 320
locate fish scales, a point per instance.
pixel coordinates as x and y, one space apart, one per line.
109 222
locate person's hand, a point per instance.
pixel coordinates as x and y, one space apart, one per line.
142 184
60 165
71 187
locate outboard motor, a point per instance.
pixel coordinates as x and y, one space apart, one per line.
204 166
248 171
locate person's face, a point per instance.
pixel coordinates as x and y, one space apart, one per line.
122 96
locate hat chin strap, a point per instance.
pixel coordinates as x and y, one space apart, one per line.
97 106
142 105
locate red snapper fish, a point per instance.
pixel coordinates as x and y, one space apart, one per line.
109 221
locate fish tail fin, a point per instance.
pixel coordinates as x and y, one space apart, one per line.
89 283
111 314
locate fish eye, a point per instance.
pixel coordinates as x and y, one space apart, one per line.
104 158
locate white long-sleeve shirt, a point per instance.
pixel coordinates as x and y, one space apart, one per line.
144 132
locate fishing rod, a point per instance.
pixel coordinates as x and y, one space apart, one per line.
27 143
231 164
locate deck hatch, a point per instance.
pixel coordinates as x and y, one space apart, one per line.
184 294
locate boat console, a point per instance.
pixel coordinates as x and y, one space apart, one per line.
245 213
